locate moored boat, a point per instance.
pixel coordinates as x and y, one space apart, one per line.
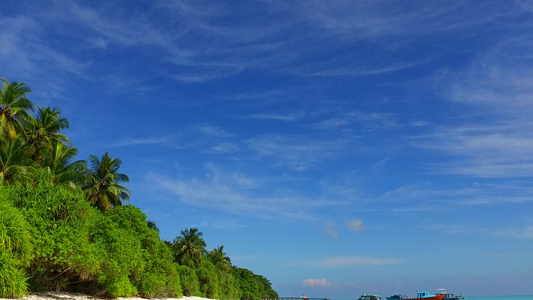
397 297
449 296
426 296
368 297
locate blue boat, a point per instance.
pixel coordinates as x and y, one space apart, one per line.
426 296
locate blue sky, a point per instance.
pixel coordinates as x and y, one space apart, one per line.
335 147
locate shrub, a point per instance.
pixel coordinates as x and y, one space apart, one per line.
15 248
161 277
189 281
60 220
12 278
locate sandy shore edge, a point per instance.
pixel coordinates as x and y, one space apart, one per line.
69 296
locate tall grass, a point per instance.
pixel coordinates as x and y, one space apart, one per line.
15 251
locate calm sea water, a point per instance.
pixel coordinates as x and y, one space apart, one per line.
527 297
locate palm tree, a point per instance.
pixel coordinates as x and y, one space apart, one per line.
15 164
219 259
103 187
189 248
58 163
43 130
152 225
14 106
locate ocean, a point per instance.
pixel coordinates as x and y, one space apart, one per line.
526 297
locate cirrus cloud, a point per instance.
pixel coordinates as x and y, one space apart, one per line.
355 260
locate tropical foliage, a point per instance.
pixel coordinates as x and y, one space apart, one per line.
43 131
103 182
14 106
15 250
16 167
63 225
189 248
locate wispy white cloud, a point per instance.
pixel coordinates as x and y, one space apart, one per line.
360 121
425 196
204 42
26 52
359 26
359 71
141 141
239 194
225 148
516 233
225 224
332 123
373 120
419 123
478 229
498 80
368 20
355 260
492 136
298 154
213 131
493 150
110 24
280 117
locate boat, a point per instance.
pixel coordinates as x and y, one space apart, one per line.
397 297
426 296
369 297
449 296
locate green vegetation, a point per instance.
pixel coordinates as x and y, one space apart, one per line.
63 225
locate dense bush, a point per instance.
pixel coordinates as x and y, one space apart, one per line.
137 261
189 281
78 248
161 277
61 221
209 282
252 286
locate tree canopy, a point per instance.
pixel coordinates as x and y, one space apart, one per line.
103 182
14 106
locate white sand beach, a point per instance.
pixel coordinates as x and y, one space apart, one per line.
70 296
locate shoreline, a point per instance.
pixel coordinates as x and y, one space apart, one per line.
73 296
